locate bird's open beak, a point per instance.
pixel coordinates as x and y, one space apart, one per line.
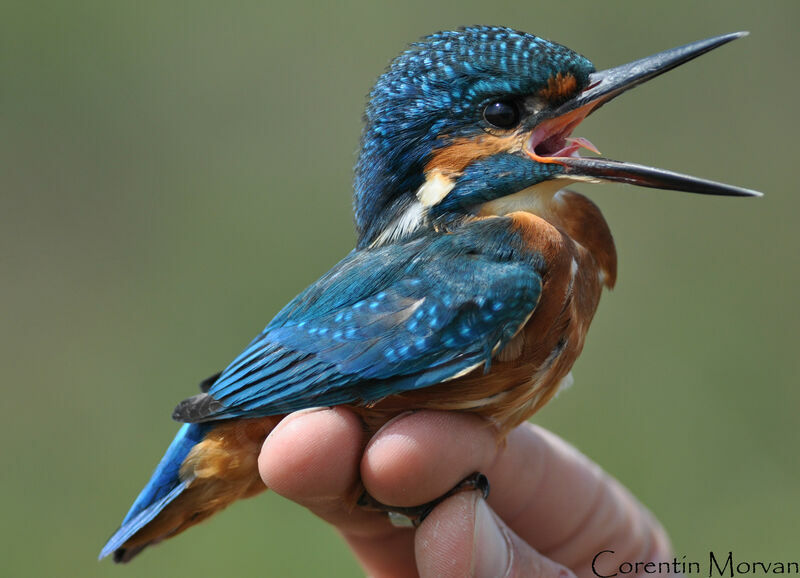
549 142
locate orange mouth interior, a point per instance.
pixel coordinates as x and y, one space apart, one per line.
550 140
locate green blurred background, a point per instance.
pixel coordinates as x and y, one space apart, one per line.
173 173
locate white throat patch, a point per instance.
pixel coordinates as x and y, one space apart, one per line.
535 199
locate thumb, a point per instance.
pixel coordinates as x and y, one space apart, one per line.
464 537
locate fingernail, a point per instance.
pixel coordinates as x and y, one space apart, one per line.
491 551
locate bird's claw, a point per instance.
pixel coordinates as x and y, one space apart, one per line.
413 516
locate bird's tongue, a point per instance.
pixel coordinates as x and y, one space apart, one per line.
574 145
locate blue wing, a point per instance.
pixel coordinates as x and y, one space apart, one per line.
382 321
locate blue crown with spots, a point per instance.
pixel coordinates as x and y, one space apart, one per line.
435 90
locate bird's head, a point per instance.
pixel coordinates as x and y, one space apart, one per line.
468 117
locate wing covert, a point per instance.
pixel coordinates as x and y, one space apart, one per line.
381 322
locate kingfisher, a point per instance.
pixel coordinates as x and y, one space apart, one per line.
475 275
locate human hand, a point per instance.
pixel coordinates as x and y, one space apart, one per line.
551 509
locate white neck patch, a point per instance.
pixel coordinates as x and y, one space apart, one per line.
435 188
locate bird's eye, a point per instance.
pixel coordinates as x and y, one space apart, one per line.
502 114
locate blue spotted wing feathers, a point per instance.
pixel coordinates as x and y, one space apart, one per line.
383 321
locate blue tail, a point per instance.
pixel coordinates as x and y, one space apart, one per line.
164 486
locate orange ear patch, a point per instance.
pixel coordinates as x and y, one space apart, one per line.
559 87
455 157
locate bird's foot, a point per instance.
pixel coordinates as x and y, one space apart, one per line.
413 516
